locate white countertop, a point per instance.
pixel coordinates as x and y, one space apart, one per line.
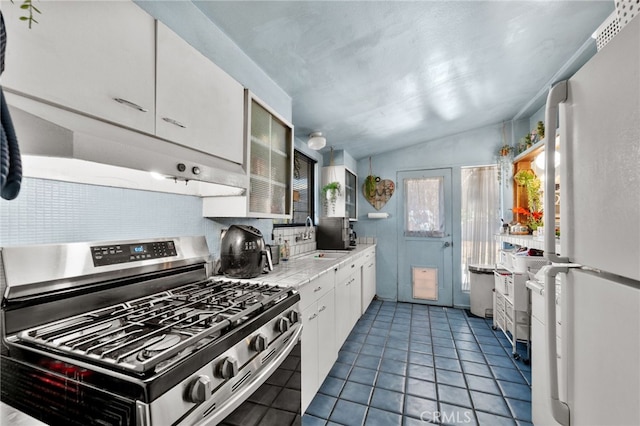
301 269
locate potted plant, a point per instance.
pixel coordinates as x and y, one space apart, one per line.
505 150
540 130
532 184
523 177
370 186
330 193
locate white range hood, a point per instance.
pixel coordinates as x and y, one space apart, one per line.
48 131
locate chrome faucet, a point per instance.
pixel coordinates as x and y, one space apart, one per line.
308 228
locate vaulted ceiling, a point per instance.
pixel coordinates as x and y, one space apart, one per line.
374 76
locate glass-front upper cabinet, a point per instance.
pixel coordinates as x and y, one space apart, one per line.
342 203
351 196
270 162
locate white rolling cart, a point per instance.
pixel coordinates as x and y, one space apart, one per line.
512 304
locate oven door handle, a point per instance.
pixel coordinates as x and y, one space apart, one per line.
250 387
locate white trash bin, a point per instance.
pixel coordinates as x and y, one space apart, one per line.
482 283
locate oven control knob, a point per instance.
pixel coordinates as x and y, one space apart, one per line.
283 325
259 343
227 368
200 390
293 317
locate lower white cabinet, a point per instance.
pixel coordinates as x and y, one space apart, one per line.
368 279
319 350
331 305
348 299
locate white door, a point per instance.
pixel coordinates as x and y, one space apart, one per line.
425 254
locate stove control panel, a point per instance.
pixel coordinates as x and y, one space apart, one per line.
124 253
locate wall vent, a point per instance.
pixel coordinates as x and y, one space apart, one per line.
625 11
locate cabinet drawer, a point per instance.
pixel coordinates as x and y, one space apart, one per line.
500 322
508 309
312 291
499 302
510 284
501 283
345 271
509 325
521 317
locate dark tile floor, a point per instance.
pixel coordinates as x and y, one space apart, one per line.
409 364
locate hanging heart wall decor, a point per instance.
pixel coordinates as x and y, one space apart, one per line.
377 195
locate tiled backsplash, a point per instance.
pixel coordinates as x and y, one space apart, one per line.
295 235
367 240
48 211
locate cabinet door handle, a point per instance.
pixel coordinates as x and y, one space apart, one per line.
130 104
174 122
322 309
317 289
312 317
353 265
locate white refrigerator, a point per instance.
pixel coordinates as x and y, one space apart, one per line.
598 115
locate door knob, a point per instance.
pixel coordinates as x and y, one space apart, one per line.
447 244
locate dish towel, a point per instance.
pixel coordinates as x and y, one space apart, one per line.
10 162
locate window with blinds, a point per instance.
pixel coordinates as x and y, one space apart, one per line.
303 184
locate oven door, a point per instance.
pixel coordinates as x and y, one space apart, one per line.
225 404
277 401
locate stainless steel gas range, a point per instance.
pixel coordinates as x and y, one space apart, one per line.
136 333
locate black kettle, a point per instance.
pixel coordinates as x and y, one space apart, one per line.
243 252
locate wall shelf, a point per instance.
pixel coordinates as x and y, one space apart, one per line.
530 153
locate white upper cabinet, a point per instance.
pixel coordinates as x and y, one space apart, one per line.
97 58
198 104
345 204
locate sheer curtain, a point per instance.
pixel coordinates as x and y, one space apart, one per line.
480 218
424 207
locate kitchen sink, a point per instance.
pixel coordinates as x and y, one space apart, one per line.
324 255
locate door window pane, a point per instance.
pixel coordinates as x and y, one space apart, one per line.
424 207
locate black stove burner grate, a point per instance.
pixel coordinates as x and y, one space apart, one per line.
140 334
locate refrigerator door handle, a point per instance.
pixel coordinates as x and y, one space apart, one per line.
557 95
559 409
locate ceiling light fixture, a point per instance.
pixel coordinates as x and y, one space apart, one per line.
316 141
